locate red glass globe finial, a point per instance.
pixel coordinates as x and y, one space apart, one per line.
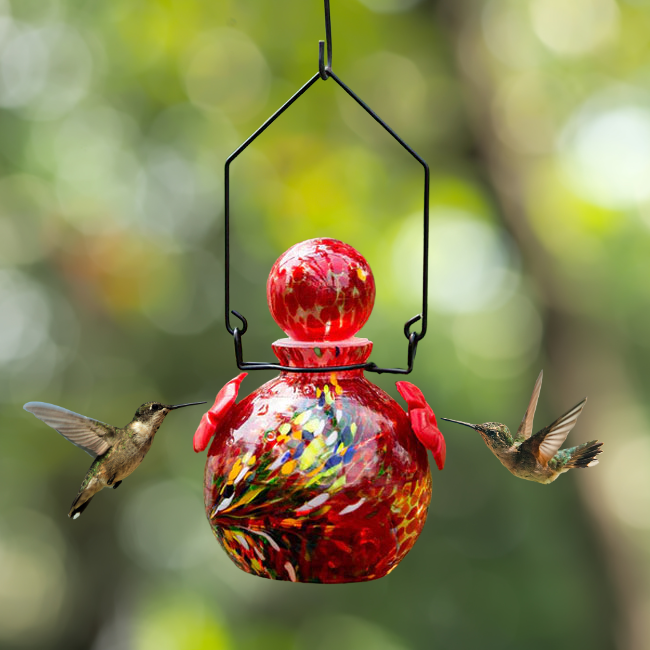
321 290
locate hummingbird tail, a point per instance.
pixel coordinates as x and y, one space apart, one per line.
584 455
77 508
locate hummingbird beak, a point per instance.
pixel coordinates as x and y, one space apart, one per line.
466 424
180 406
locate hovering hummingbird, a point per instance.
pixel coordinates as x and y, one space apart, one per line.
117 452
538 457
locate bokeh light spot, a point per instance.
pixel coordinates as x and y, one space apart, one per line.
170 621
228 72
24 316
44 71
523 115
86 191
507 33
606 154
627 481
470 262
167 191
576 27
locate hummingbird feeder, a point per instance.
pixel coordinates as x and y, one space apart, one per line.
319 475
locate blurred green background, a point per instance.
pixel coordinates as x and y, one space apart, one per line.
116 118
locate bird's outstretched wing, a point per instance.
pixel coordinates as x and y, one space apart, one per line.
547 442
93 436
526 427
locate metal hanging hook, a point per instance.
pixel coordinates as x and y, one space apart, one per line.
243 320
325 70
407 327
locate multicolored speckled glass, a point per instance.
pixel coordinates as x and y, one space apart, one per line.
316 477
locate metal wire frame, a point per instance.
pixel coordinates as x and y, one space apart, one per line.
324 73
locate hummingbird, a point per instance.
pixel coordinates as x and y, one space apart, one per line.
116 452
538 457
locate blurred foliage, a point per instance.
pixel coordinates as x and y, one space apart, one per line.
116 121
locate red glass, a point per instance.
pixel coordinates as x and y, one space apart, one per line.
317 477
321 290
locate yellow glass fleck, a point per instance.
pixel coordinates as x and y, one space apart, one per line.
288 467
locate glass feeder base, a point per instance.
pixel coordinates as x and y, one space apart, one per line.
317 478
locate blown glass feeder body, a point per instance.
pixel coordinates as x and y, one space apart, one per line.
317 477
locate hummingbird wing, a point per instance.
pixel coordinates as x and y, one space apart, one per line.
93 436
547 442
526 427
